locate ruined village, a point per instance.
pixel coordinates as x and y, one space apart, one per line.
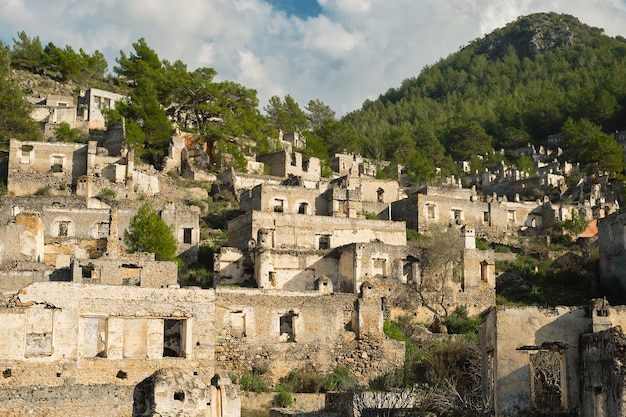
312 268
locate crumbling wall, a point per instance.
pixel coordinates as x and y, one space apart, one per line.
127 270
612 245
64 333
534 330
312 232
283 199
292 330
67 400
603 356
36 165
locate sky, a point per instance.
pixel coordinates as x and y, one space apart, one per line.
341 52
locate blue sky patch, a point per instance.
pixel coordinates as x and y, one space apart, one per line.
298 8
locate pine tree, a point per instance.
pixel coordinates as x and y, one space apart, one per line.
15 120
149 233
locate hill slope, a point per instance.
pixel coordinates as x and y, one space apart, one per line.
516 85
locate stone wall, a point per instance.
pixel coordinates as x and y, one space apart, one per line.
294 330
508 369
603 376
283 164
283 199
311 232
67 400
66 333
128 270
612 245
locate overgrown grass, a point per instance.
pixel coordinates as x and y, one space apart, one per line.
310 380
432 360
250 381
529 280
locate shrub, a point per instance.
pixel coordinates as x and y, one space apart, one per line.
44 191
283 397
252 382
371 216
482 244
304 379
107 194
340 379
459 322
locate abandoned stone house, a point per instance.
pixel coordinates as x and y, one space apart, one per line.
356 165
83 113
60 334
567 361
292 237
612 247
492 217
56 231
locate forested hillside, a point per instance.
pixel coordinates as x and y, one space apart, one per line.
518 84
540 75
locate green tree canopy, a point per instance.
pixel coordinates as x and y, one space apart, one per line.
28 53
149 128
585 143
286 116
15 120
318 113
149 233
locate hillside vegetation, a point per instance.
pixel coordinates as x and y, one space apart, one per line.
517 85
540 75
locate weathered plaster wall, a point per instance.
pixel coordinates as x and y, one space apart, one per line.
322 334
92 334
35 165
285 199
302 231
511 328
612 245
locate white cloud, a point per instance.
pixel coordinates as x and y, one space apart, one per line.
356 49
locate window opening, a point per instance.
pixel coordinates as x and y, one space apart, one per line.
173 341
287 326
187 235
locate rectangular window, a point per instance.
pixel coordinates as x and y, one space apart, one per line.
287 327
63 228
457 216
547 393
510 216
136 338
93 337
431 211
324 242
238 323
187 235
39 323
174 338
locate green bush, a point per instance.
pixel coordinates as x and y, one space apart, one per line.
393 331
44 191
459 322
482 244
283 397
252 382
304 379
107 194
371 216
340 379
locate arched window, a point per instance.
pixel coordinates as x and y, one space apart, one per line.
380 195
